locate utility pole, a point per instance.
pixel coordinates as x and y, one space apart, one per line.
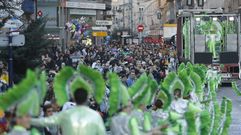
10 62
123 14
131 19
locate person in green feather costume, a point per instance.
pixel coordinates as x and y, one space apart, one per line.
80 120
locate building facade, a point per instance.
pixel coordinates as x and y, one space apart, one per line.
232 5
59 12
128 14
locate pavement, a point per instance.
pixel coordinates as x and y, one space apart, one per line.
235 128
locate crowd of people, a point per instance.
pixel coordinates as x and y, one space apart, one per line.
128 61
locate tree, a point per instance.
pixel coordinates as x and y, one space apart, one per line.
29 56
11 7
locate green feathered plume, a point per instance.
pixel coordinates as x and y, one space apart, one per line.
138 85
201 72
95 79
164 98
236 89
147 122
143 90
27 96
29 105
80 83
217 116
226 109
133 126
181 67
42 87
205 122
18 92
153 87
119 96
191 123
170 83
190 117
62 94
186 81
186 34
197 83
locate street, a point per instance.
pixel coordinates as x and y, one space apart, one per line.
235 128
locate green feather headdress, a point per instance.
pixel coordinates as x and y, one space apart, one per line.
27 96
68 80
236 89
170 83
143 90
119 96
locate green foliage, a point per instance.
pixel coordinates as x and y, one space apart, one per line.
29 55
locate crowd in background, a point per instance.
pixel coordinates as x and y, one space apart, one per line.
128 61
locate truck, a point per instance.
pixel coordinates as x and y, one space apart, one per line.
210 37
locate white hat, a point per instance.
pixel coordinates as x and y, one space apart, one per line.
68 105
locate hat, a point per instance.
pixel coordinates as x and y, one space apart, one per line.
68 105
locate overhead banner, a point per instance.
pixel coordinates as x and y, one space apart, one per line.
83 5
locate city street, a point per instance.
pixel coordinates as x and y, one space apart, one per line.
120 67
235 128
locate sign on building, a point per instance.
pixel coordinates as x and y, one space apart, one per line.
82 12
169 30
99 28
70 4
18 40
99 34
103 22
